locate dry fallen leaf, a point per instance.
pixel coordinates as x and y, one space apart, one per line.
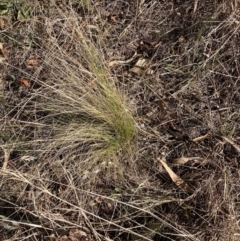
175 178
3 51
183 160
25 82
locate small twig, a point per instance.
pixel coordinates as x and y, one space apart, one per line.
200 138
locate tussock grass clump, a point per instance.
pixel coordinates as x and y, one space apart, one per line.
90 119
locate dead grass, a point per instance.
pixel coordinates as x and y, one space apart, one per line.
79 148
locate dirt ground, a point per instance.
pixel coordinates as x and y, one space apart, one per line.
178 61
